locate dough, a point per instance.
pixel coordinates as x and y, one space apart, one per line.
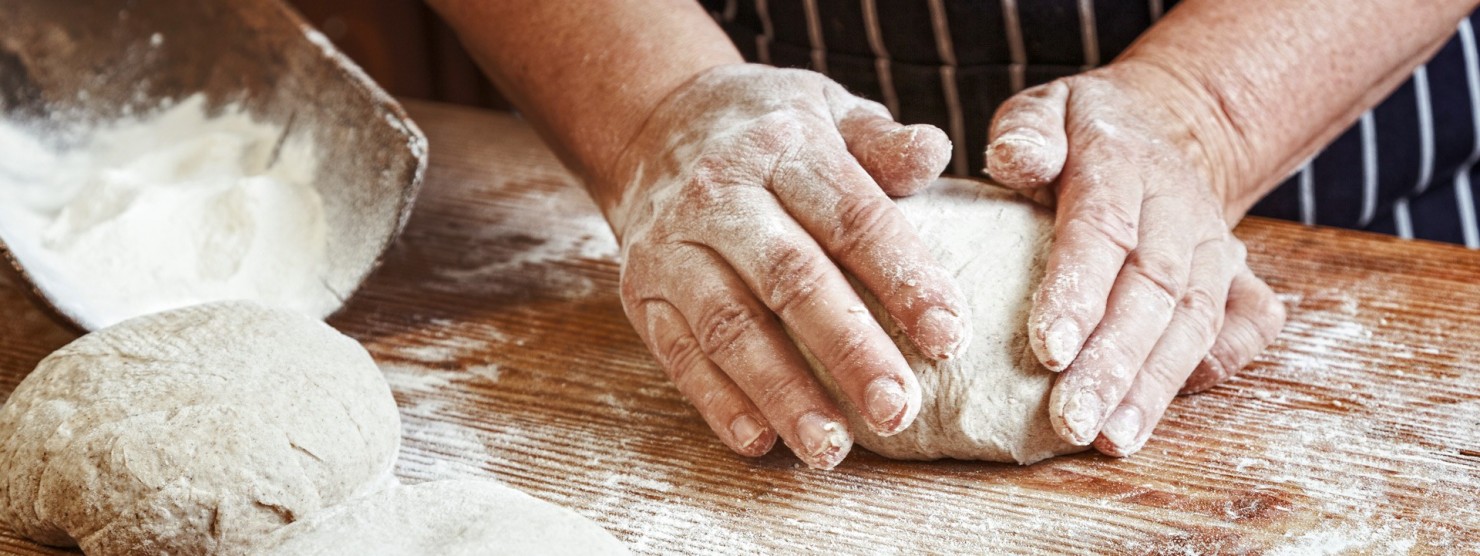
992 402
447 518
195 431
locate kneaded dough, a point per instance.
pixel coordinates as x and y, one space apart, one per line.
447 518
991 403
195 431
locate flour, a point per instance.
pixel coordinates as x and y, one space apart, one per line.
159 212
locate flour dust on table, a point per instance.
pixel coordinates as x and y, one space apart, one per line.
156 212
447 518
990 403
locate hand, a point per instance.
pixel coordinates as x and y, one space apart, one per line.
736 204
1146 292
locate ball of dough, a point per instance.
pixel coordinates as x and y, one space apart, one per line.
195 431
991 403
448 518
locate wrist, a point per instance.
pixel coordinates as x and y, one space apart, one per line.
653 150
642 129
1211 137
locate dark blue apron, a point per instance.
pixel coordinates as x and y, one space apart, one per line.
1404 168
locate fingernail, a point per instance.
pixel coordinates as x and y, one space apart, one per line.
1020 137
1018 154
887 405
1123 428
824 441
745 431
1004 152
1061 344
945 330
1082 415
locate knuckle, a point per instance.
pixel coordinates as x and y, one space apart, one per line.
1045 90
719 402
1203 309
683 357
629 288
725 324
1223 361
1164 273
1237 347
1163 378
793 276
1209 372
780 391
849 356
863 221
1107 223
1240 251
704 189
777 131
1272 318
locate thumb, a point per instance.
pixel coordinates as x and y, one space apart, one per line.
1026 146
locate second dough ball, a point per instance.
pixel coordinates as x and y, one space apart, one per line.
195 431
447 518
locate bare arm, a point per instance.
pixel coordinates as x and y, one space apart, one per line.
587 74
1282 79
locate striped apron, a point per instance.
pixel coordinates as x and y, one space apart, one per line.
1404 168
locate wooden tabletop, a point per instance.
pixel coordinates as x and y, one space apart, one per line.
497 322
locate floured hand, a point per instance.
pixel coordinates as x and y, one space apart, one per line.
739 205
1146 292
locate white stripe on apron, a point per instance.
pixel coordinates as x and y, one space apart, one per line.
1462 192
1088 34
942 29
881 57
1307 195
1015 47
1368 127
814 37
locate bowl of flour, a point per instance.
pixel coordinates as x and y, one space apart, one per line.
163 154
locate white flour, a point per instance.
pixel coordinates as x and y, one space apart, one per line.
174 209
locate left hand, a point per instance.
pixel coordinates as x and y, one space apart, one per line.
1146 291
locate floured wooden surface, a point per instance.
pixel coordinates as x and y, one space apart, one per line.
497 322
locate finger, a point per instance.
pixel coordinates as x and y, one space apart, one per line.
792 276
902 159
722 404
837 203
1095 229
741 337
1255 317
1140 307
1194 326
1027 147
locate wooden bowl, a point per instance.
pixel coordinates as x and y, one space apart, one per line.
63 63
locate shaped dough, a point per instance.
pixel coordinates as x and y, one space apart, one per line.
196 431
991 402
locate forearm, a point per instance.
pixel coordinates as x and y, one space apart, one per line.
587 74
1276 80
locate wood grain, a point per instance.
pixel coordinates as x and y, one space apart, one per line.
497 322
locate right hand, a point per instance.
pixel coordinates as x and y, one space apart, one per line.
736 203
1146 291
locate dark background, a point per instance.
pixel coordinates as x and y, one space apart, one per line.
405 47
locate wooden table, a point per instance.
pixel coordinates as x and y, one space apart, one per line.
497 322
